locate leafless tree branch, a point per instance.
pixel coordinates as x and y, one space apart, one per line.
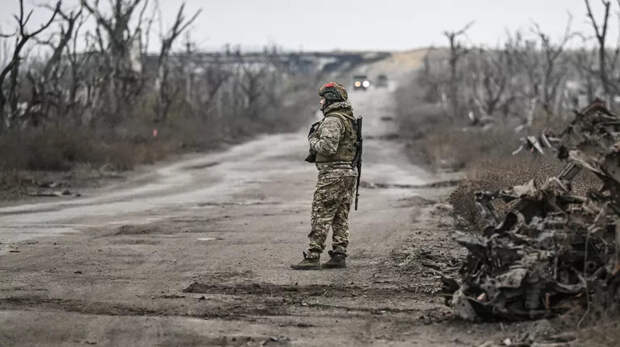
11 70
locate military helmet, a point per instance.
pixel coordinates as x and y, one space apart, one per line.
333 92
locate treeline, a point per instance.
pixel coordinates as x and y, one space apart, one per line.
88 70
473 109
532 76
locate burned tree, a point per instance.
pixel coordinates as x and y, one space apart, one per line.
552 73
540 75
606 68
457 52
251 84
166 90
428 79
79 83
9 88
119 56
487 82
583 60
47 84
526 87
212 79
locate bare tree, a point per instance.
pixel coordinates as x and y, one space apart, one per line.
214 76
427 78
457 51
583 60
80 84
11 70
167 91
552 63
527 74
487 80
119 50
600 32
251 84
47 88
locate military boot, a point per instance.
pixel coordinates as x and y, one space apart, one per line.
336 261
310 262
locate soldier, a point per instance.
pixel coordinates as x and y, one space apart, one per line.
333 148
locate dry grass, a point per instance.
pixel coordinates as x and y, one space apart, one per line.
507 171
12 185
457 148
485 157
443 143
63 147
59 148
498 173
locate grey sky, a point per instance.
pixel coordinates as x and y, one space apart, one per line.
359 24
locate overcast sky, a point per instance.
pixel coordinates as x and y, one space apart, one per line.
357 24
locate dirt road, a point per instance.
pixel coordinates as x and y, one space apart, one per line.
198 253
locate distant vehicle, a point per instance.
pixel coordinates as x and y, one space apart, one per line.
382 81
360 82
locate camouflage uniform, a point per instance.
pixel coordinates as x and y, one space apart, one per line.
334 144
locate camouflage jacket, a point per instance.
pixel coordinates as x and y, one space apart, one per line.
327 139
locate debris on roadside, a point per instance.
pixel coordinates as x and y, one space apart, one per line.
531 144
553 246
54 193
52 184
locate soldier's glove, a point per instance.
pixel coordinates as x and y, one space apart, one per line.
311 158
313 129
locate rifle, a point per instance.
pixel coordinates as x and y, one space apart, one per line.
357 161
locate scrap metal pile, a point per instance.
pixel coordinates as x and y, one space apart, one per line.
553 247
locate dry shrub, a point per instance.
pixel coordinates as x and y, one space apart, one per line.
416 117
498 173
417 121
119 156
420 123
11 184
58 147
131 143
459 148
441 142
484 155
505 172
12 150
51 148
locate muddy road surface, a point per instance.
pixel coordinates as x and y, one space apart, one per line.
197 253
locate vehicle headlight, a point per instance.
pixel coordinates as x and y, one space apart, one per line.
366 84
357 83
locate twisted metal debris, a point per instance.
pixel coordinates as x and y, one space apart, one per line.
553 246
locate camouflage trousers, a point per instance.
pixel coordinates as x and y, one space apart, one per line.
330 208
